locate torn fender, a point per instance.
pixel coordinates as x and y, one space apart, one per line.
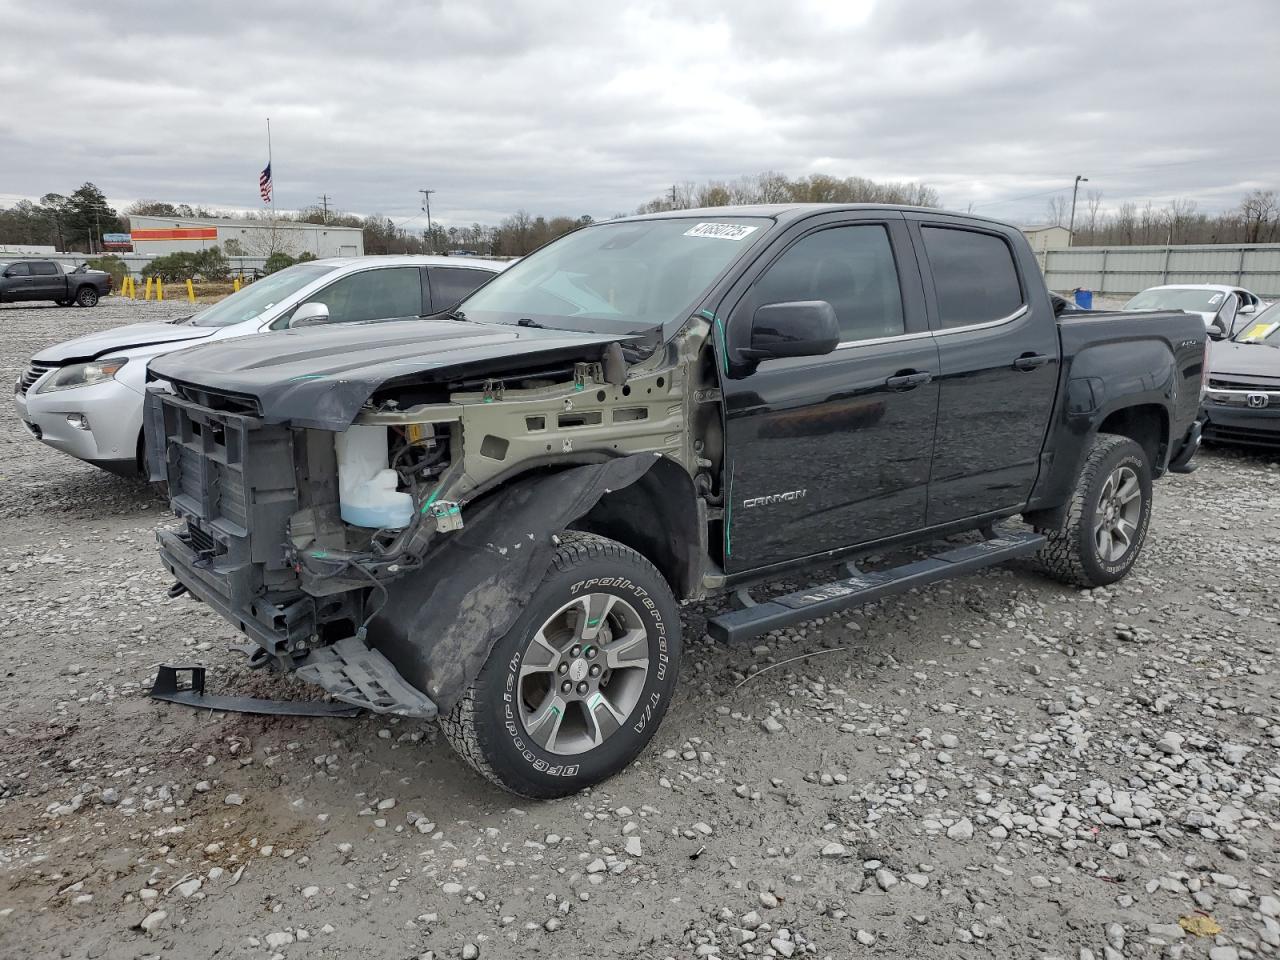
440 622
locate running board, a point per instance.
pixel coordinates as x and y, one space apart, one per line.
354 674
853 591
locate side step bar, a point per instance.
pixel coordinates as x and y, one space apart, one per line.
823 600
355 674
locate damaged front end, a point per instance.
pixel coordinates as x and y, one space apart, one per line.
382 561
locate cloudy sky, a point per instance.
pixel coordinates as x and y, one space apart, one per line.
593 107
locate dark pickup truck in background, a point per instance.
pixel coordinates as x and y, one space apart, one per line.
490 517
27 280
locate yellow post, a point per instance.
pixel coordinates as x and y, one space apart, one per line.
133 287
146 295
159 288
235 285
191 292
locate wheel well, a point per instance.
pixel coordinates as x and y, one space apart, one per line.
657 516
1147 425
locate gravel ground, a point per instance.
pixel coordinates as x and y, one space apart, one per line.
995 767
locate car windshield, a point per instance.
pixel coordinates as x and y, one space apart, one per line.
261 295
1264 329
623 277
1198 300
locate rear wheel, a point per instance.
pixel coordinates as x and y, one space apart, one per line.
87 297
1102 531
578 686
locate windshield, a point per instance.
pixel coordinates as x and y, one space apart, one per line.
616 277
261 295
1264 329
1197 300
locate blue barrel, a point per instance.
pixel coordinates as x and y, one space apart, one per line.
1084 298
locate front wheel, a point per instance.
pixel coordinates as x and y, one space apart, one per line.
578 686
1102 531
87 297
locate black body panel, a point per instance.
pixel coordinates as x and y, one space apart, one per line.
320 376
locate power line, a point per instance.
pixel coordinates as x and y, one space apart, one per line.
324 204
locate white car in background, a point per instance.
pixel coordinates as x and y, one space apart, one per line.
1205 299
84 397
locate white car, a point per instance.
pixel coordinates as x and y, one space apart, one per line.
1205 299
84 397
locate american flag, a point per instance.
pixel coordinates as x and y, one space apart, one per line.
264 184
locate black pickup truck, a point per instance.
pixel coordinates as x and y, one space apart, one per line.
27 280
490 517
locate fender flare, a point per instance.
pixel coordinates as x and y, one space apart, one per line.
440 621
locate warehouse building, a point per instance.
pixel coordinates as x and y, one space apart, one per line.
1047 236
156 236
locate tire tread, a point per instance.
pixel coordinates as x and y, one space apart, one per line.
460 725
1061 557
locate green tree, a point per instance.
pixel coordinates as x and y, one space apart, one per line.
278 261
89 215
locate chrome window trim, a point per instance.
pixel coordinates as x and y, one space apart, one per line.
986 325
846 344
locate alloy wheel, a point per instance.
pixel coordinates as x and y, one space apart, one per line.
1117 514
582 673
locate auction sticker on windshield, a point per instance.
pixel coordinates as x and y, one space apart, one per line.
1260 331
721 231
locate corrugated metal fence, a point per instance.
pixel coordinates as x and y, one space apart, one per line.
1126 270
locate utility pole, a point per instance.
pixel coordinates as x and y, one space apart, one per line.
673 196
324 205
1071 230
426 206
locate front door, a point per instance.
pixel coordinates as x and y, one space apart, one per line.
832 451
998 349
17 282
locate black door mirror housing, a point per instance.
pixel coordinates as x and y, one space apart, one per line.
798 328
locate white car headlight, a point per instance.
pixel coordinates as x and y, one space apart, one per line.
83 374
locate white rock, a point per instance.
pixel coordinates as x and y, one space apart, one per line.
833 850
962 829
233 799
152 921
281 938
309 892
633 847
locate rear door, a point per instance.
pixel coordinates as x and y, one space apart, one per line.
832 451
998 354
48 282
451 285
384 293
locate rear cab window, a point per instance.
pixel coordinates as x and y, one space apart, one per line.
975 279
43 268
450 285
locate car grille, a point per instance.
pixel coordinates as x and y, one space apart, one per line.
1261 383
33 373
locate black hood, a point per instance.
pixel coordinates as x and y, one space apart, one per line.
321 376
1247 359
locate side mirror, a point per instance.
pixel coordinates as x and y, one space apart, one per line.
799 328
1247 309
309 314
1223 323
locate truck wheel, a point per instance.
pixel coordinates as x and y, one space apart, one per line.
1101 534
578 686
87 297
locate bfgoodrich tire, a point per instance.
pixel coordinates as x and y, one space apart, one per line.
1102 531
576 689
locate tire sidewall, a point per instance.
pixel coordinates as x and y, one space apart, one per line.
1100 570
525 766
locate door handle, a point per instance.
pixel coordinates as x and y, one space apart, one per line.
908 379
1029 361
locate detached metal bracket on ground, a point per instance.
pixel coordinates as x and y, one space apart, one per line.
166 688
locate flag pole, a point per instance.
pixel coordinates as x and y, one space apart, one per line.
271 167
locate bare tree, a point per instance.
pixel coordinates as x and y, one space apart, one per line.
1057 210
1257 211
1093 203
